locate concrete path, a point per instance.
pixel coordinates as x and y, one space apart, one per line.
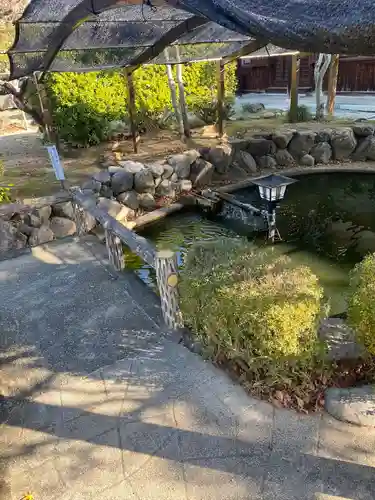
100 402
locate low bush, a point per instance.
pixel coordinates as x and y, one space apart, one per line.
361 310
5 196
207 110
255 309
303 114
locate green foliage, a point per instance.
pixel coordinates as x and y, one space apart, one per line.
84 104
250 303
303 114
5 196
361 311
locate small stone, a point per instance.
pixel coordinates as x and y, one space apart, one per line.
62 227
103 177
321 152
246 161
156 169
282 138
255 107
343 143
64 209
40 235
147 201
157 181
185 186
92 185
121 182
355 405
181 165
307 161
221 158
266 162
113 169
365 149
144 181
363 130
44 213
132 167
130 199
284 158
25 229
32 220
112 208
173 178
165 189
324 135
301 143
168 171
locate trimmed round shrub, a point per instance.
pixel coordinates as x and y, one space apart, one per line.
361 310
250 304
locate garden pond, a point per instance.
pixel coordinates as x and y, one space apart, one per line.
326 221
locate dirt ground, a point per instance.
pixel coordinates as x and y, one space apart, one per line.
27 165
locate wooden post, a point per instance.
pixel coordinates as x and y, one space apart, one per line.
173 91
220 97
167 281
293 88
181 93
332 83
132 110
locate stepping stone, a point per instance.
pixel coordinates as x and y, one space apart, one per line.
355 405
340 339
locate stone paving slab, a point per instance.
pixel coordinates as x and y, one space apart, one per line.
159 424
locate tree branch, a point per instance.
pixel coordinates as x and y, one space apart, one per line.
18 97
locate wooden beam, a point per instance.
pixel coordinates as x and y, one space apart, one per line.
132 110
247 49
293 88
220 97
332 83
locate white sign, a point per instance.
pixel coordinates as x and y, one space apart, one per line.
56 164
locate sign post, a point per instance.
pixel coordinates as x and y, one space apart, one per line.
56 164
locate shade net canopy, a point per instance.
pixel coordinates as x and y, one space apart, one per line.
84 35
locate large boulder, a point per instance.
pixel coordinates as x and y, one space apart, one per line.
91 185
156 169
307 161
121 182
284 158
343 143
132 167
166 188
10 238
62 227
113 169
324 135
32 219
146 201
168 171
130 199
363 130
365 149
89 221
144 182
184 186
266 162
181 163
282 138
260 147
40 235
114 209
321 152
255 107
44 213
221 158
64 209
201 173
301 143
103 177
246 161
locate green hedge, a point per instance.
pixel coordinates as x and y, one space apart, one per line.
84 104
361 310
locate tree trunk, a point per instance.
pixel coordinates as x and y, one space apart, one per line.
220 97
332 84
293 88
320 70
181 92
132 110
173 90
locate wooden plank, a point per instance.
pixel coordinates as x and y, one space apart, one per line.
137 244
132 110
293 88
158 214
332 83
220 97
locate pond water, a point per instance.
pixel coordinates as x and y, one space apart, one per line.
327 221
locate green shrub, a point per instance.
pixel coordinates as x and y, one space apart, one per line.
303 114
5 196
83 104
207 111
249 304
361 311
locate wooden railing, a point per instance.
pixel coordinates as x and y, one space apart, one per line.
116 235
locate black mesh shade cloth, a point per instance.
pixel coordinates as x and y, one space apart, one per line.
84 35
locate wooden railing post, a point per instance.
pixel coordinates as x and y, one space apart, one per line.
167 280
79 218
115 251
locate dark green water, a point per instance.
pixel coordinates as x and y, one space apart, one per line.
327 221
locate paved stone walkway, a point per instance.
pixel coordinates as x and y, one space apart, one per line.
99 402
